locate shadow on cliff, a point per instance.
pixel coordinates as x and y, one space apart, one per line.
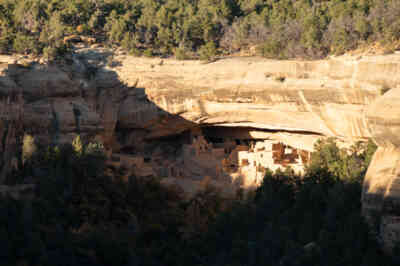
83 95
79 95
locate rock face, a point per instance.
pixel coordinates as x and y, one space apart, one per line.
193 124
140 103
321 97
381 192
222 123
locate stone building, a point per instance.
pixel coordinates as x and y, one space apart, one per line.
232 160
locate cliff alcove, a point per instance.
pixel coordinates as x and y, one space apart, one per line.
227 157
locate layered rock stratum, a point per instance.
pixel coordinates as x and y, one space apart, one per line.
193 123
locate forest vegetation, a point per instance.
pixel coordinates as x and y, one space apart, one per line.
201 28
83 215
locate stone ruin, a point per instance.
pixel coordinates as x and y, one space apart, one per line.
199 159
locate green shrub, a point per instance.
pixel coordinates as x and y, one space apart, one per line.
272 49
135 51
148 52
6 40
181 53
208 51
165 51
4 45
24 44
338 162
127 42
50 53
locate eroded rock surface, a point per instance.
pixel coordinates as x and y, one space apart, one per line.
189 122
381 192
323 97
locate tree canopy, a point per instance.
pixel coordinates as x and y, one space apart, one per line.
278 28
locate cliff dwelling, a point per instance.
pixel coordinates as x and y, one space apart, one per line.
221 155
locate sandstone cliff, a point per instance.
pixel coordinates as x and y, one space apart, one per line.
381 192
224 122
132 102
319 97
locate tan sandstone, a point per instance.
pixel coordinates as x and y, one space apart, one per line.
194 123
